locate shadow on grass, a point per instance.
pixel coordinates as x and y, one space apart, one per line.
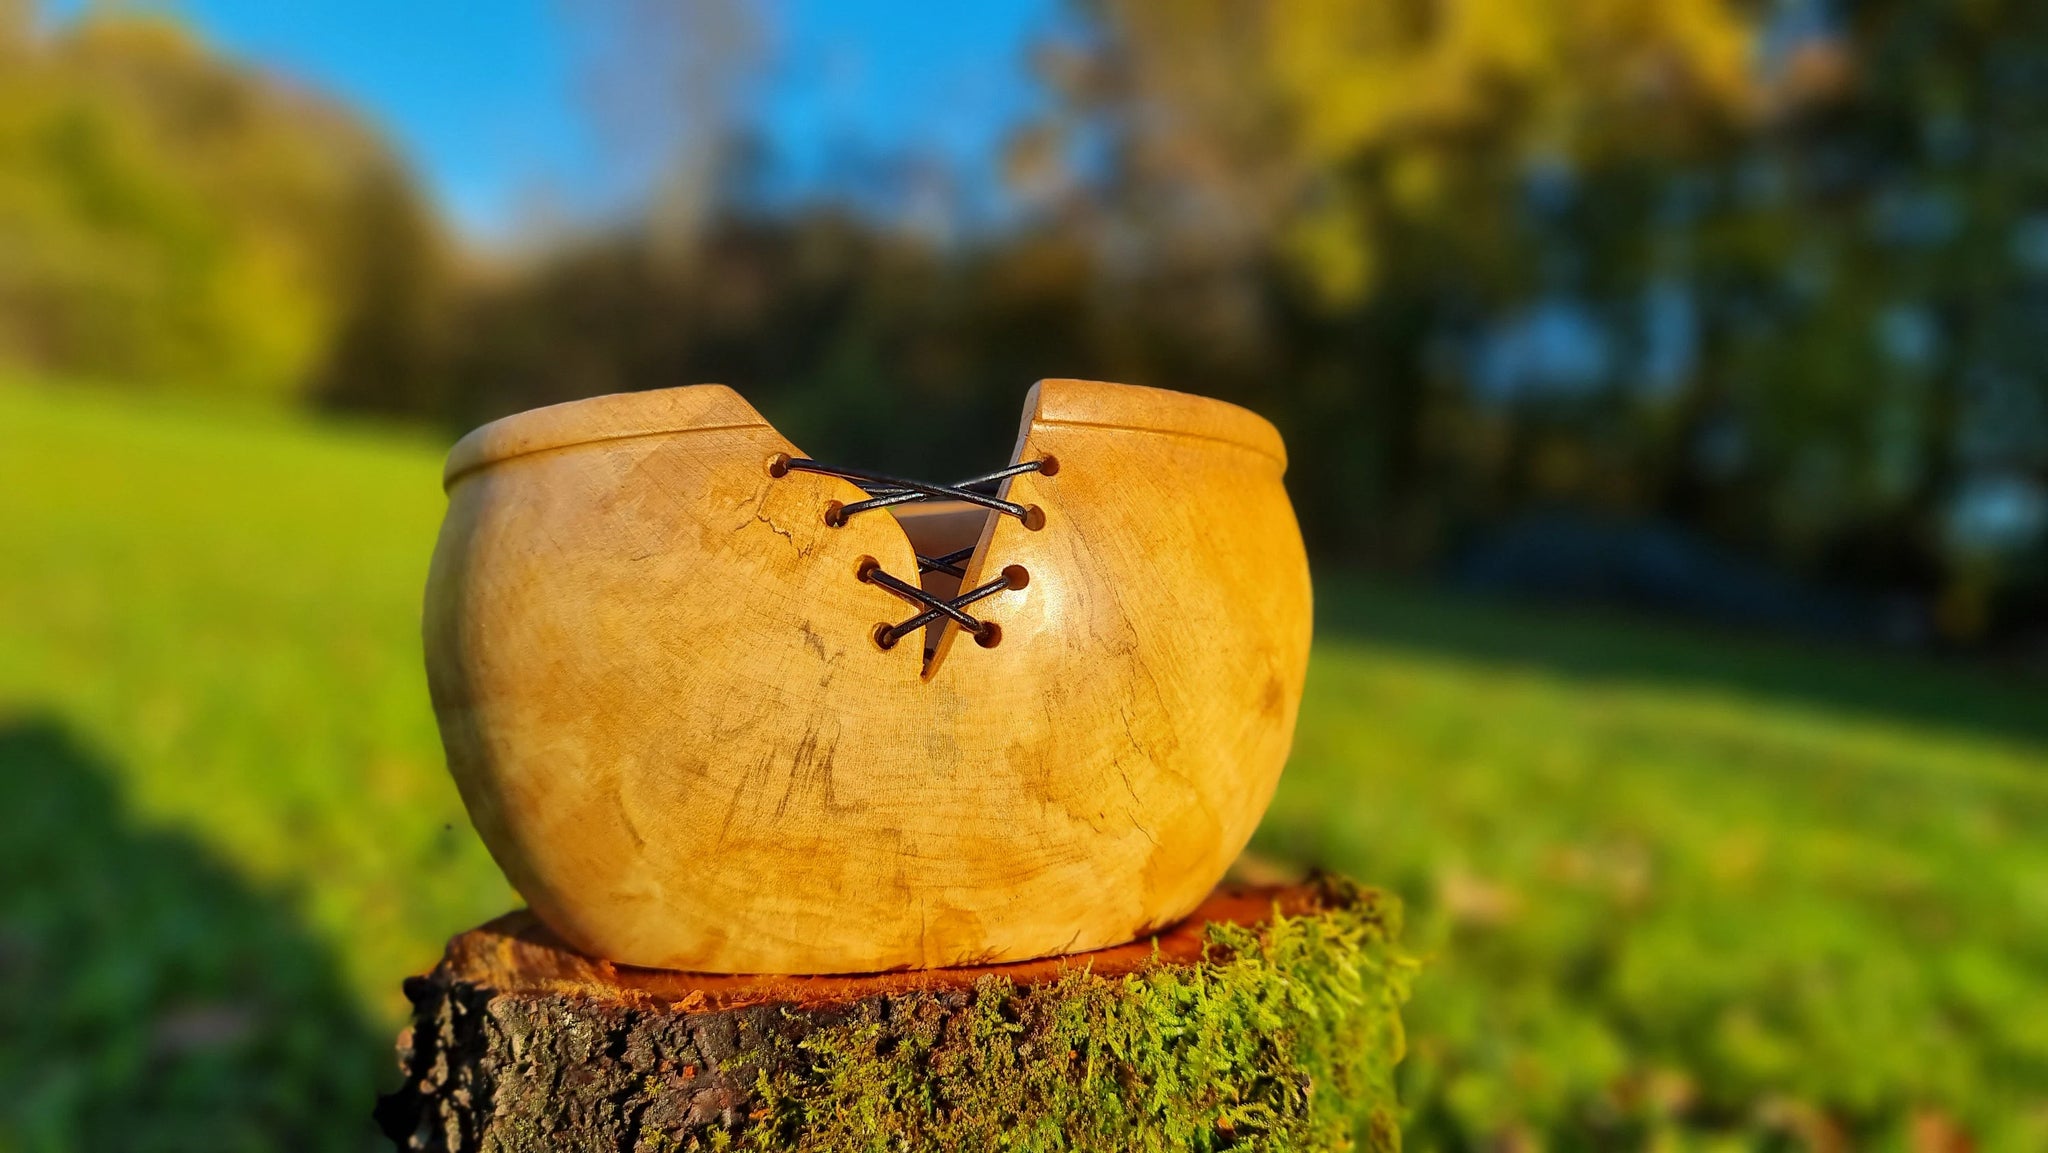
1600 645
150 998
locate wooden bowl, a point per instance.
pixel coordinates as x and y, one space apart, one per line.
657 677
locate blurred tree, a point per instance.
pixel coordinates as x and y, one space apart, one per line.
1767 270
397 285
1329 191
663 81
860 342
168 218
1879 251
1317 128
17 20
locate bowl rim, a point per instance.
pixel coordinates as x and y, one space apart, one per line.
718 408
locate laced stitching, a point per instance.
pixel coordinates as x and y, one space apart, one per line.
885 491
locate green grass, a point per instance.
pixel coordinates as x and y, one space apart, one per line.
1670 888
225 831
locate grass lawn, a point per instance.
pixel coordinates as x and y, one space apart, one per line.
1669 887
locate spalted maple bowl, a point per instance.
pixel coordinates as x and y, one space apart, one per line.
668 706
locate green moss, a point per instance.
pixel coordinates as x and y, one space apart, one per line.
1284 1038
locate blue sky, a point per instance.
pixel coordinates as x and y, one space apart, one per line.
484 98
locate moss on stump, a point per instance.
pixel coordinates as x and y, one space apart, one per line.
1267 1021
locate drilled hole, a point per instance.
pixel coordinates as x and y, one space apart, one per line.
778 465
835 515
882 636
1034 517
866 568
1016 576
1048 465
990 636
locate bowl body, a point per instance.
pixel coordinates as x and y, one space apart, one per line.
655 672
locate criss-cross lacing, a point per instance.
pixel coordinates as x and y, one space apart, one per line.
885 491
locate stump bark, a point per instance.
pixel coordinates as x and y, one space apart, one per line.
1267 1020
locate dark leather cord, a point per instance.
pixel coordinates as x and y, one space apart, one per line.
885 491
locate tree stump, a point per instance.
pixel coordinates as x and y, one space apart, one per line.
1267 1020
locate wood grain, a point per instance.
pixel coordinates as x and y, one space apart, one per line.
658 687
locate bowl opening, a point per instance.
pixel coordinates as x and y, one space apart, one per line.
941 528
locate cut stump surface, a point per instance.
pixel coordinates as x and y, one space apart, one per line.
1267 1020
